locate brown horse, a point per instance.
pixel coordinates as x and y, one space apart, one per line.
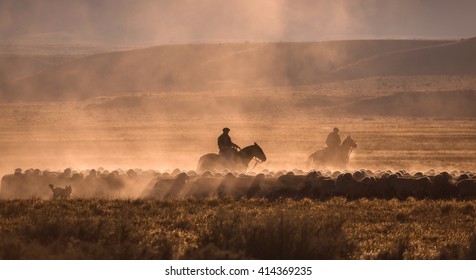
332 159
238 163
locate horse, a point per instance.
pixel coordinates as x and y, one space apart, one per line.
326 158
239 162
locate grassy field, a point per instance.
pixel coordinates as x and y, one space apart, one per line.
162 132
245 229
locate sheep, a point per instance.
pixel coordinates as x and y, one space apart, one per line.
409 187
168 188
234 186
444 186
203 187
261 186
358 175
294 186
466 188
379 188
323 188
346 186
178 185
462 177
23 185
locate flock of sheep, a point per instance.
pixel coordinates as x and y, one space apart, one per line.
317 185
296 184
34 183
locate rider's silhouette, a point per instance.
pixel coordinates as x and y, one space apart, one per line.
333 140
225 145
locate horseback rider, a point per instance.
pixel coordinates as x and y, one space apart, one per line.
226 146
333 140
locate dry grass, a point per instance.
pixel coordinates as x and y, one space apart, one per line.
221 229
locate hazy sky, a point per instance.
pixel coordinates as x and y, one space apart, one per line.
177 21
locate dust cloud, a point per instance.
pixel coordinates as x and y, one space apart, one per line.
186 21
116 86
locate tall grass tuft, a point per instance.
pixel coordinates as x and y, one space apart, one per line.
397 251
289 234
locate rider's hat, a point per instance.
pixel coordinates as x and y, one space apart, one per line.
336 129
226 129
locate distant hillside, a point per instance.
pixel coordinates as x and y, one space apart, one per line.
202 67
19 66
416 104
50 38
452 58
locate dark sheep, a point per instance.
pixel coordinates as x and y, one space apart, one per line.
444 186
168 188
235 187
466 189
346 186
409 187
261 186
203 187
294 186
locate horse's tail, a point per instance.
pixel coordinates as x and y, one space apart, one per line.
208 162
347 158
200 164
310 161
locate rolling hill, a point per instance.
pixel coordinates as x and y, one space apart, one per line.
19 66
198 67
452 58
459 104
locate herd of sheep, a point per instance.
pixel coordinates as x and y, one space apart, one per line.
296 184
34 183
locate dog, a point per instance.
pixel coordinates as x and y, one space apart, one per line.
63 193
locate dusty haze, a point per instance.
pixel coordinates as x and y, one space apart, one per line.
185 21
150 84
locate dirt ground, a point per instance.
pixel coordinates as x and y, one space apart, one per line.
59 135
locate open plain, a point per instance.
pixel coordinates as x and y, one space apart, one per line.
122 128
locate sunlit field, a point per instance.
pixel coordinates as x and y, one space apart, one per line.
244 229
130 160
352 133
57 136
